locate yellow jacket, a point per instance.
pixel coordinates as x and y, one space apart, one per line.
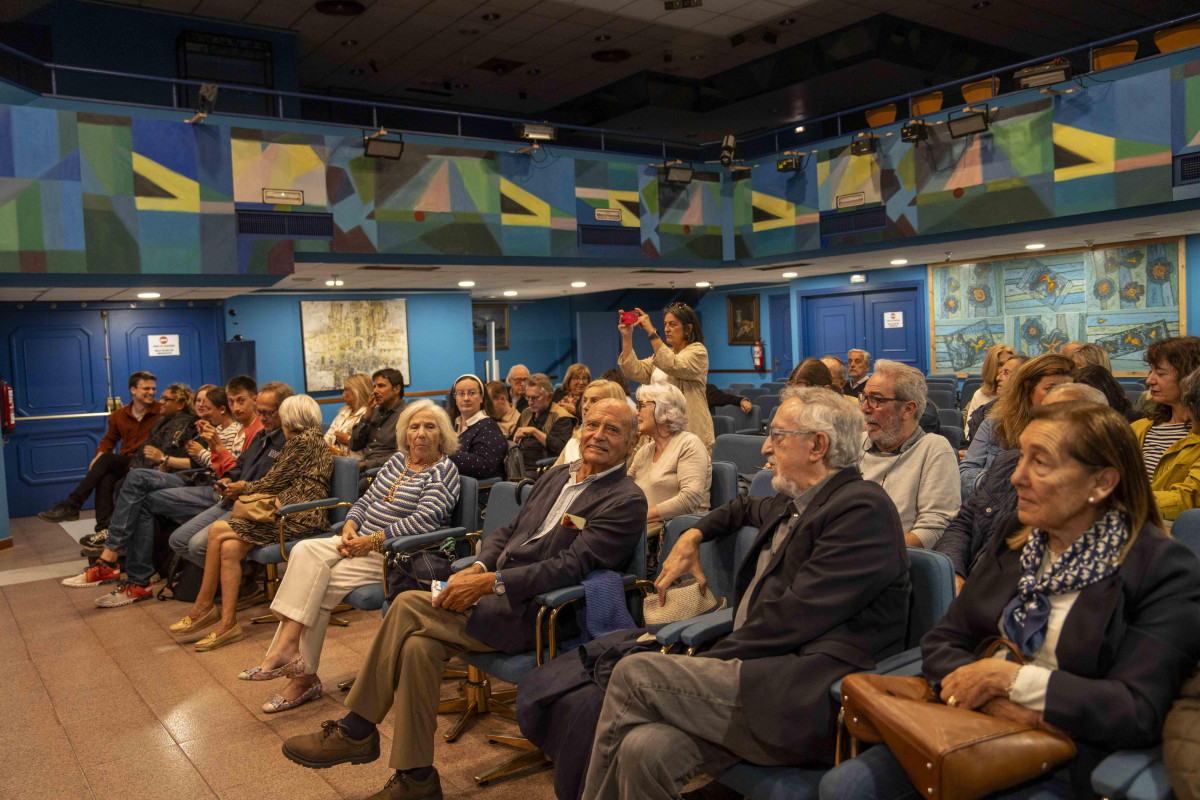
1176 481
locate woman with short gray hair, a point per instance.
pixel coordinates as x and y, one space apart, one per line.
298 413
673 469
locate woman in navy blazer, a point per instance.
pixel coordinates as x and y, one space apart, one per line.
1103 604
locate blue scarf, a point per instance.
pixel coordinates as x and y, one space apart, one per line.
1092 558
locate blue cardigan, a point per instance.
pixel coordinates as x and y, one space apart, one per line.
481 450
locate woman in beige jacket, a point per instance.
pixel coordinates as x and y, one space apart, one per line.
680 354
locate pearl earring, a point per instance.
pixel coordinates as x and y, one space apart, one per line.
1092 499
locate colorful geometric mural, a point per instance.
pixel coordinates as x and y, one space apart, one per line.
689 217
1122 298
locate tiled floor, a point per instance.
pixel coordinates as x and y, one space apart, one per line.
104 703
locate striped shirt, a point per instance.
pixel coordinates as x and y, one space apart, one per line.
1159 439
420 504
230 436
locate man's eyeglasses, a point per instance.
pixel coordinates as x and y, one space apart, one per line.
170 398
534 397
777 434
875 400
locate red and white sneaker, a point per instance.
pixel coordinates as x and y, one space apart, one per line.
95 575
125 594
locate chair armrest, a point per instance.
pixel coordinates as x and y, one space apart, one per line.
707 628
487 483
401 544
750 431
462 563
557 598
668 635
905 665
545 462
1115 775
1152 783
323 503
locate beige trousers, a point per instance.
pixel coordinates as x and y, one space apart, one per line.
317 578
404 668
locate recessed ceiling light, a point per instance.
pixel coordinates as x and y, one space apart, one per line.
578 284
896 262
149 295
329 282
491 16
1035 246
466 284
799 129
534 71
358 71
510 293
604 37
349 42
702 284
787 21
791 274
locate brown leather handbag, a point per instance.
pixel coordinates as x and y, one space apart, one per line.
260 507
949 753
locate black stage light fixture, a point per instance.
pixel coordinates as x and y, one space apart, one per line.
915 131
1043 74
538 132
378 145
677 173
967 124
727 146
789 163
864 144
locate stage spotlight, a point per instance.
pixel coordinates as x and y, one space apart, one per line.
789 164
727 146
916 131
538 133
974 122
864 144
377 145
206 101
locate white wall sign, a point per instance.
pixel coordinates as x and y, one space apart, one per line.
893 319
164 344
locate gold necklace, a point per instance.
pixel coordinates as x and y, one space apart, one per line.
410 471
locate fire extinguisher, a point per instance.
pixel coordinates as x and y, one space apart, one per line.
8 408
760 355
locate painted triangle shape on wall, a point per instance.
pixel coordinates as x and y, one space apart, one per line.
144 187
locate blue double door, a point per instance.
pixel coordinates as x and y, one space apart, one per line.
888 323
55 361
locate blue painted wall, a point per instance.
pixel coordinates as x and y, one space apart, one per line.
713 310
439 337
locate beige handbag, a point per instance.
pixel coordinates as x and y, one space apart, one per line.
256 508
684 601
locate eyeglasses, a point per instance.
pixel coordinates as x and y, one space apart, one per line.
644 404
467 393
777 434
170 398
875 401
533 397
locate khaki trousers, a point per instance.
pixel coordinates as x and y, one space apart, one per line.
404 668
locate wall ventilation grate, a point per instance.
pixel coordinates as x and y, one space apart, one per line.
867 219
285 224
1187 169
610 235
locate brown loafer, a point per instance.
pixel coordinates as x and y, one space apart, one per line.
330 747
188 625
215 640
403 787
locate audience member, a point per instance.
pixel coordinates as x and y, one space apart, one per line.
719 397
858 367
544 428
814 373
170 434
988 507
194 506
1069 348
130 425
300 474
517 375
596 390
414 493
1024 390
989 389
356 392
915 468
1091 591
1097 376
616 376
1090 353
828 573
212 409
1006 371
241 391
1176 478
503 412
375 433
680 354
480 610
574 382
481 445
837 371
1168 420
673 469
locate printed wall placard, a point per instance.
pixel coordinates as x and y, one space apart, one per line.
1122 297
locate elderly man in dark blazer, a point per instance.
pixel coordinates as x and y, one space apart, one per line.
823 593
580 517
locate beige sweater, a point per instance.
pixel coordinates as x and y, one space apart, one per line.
678 483
688 372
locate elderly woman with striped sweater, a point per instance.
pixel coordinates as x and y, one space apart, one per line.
413 493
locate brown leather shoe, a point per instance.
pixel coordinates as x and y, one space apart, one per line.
403 787
332 746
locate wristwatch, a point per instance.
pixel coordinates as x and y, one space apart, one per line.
653 334
499 583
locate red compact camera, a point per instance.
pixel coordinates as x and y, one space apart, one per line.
629 317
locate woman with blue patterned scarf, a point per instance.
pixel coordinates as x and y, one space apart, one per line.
1102 604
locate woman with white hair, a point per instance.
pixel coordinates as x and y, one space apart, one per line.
414 493
300 474
673 468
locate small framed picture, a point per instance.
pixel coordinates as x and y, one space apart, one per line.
743 318
481 315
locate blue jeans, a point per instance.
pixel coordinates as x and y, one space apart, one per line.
196 508
877 775
131 529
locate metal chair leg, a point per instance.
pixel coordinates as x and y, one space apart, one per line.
531 758
476 698
346 685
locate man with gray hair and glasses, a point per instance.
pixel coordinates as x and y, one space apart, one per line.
918 470
822 592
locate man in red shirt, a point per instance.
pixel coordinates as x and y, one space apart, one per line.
130 425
